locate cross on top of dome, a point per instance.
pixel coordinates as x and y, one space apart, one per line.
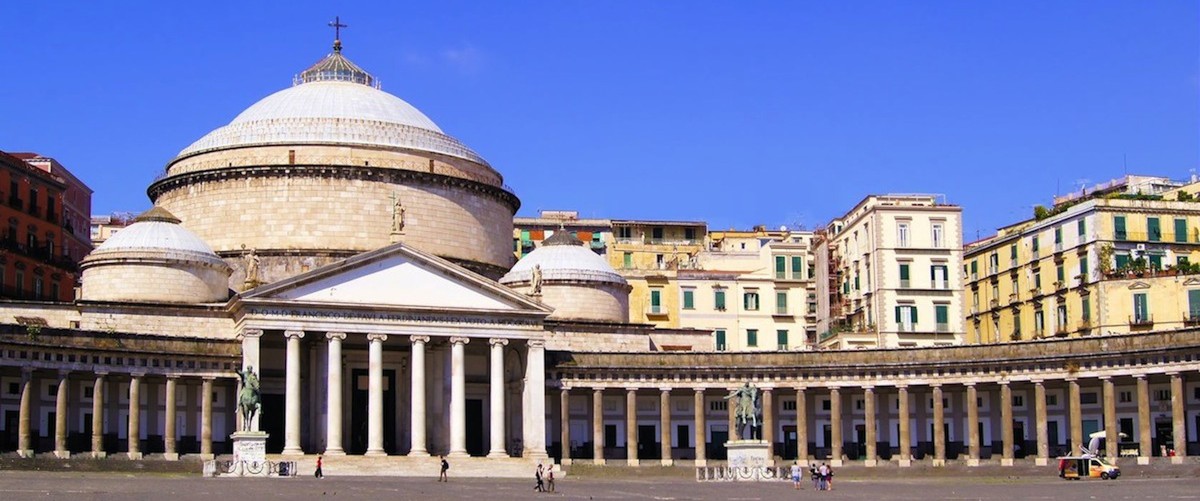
335 67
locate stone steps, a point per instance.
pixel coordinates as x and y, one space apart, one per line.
404 466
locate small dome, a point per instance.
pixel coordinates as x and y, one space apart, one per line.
157 230
563 257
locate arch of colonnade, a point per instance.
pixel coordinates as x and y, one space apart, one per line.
1030 399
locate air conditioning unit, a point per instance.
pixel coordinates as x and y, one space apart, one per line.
1140 247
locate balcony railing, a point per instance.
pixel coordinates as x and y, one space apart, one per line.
1058 247
943 327
1141 321
781 310
995 303
656 310
1191 318
905 284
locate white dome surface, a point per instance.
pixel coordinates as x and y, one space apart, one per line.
336 100
563 262
163 236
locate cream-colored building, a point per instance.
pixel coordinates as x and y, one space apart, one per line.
887 274
1114 264
752 290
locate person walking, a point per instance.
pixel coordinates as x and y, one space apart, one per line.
828 478
550 479
823 476
318 473
537 475
816 478
445 466
796 475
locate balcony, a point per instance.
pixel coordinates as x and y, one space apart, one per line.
656 310
995 303
942 327
1191 318
781 311
1061 331
1085 323
1035 253
1141 322
1058 247
905 284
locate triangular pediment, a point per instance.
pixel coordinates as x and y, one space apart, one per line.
397 276
1139 285
1191 282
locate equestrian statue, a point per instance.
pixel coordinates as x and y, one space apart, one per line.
747 410
249 397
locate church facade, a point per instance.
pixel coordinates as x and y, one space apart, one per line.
335 241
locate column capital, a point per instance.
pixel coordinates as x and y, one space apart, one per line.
171 375
767 390
1037 382
598 389
969 384
64 373
801 389
247 333
869 388
335 336
208 379
1139 377
293 334
1105 378
1004 382
26 371
460 340
100 373
373 337
665 390
699 390
138 375
417 338
536 343
498 341
902 387
631 390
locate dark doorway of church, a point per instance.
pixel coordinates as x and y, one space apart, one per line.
648 442
271 418
475 427
358 411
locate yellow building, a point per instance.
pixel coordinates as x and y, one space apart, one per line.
649 254
1114 264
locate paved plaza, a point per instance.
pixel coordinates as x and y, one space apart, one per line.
18 485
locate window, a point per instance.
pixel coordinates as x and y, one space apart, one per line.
1156 261
938 275
938 235
752 337
1061 274
1039 322
1088 398
906 318
857 283
1153 229
1122 261
825 406
904 281
1018 401
1060 318
789 405
942 314
1125 397
656 301
689 234
1012 255
1085 309
902 235
797 268
627 260
1141 311
1083 269
1162 395
1082 224
974 270
719 299
781 306
1119 228
689 299
1181 230
750 301
720 334
780 267
656 234
1033 245
1052 400
781 338
1194 304
1037 280
718 405
1058 238
623 232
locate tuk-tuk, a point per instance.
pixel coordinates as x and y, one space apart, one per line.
1077 467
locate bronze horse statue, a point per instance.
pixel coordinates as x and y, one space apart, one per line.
249 397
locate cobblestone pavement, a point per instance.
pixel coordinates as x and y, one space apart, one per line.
19 485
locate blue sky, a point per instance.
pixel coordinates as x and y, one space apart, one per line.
735 113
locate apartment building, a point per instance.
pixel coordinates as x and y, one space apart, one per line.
886 274
36 264
529 232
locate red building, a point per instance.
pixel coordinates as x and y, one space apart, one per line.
76 206
35 253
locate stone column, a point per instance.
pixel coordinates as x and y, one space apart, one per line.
598 425
60 416
631 435
458 397
497 397
1043 445
869 424
98 416
1074 415
699 434
734 432
1145 443
564 429
1111 427
905 432
333 394
206 441
768 423
24 431
133 434
802 426
250 360
170 451
664 425
1179 434
291 433
375 395
1006 424
972 405
535 384
417 409
835 425
939 426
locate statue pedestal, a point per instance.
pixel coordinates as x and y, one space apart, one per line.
748 453
249 455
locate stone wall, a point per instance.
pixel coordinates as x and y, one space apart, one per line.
206 322
154 282
597 302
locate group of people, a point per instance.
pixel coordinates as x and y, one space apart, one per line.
545 479
822 476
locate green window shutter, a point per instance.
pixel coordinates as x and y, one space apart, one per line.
1083 267
898 314
914 314
1181 230
942 312
719 299
1155 262
627 260
689 300
780 266
1013 251
746 302
781 338
1060 273
720 339
1194 303
1086 308
1153 228
1034 243
904 272
1082 227
1122 261
797 267
1139 306
1119 227
1058 235
856 287
524 235
1181 261
655 298
781 301
751 337
974 267
846 287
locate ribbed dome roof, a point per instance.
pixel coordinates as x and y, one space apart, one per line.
156 232
334 102
563 258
